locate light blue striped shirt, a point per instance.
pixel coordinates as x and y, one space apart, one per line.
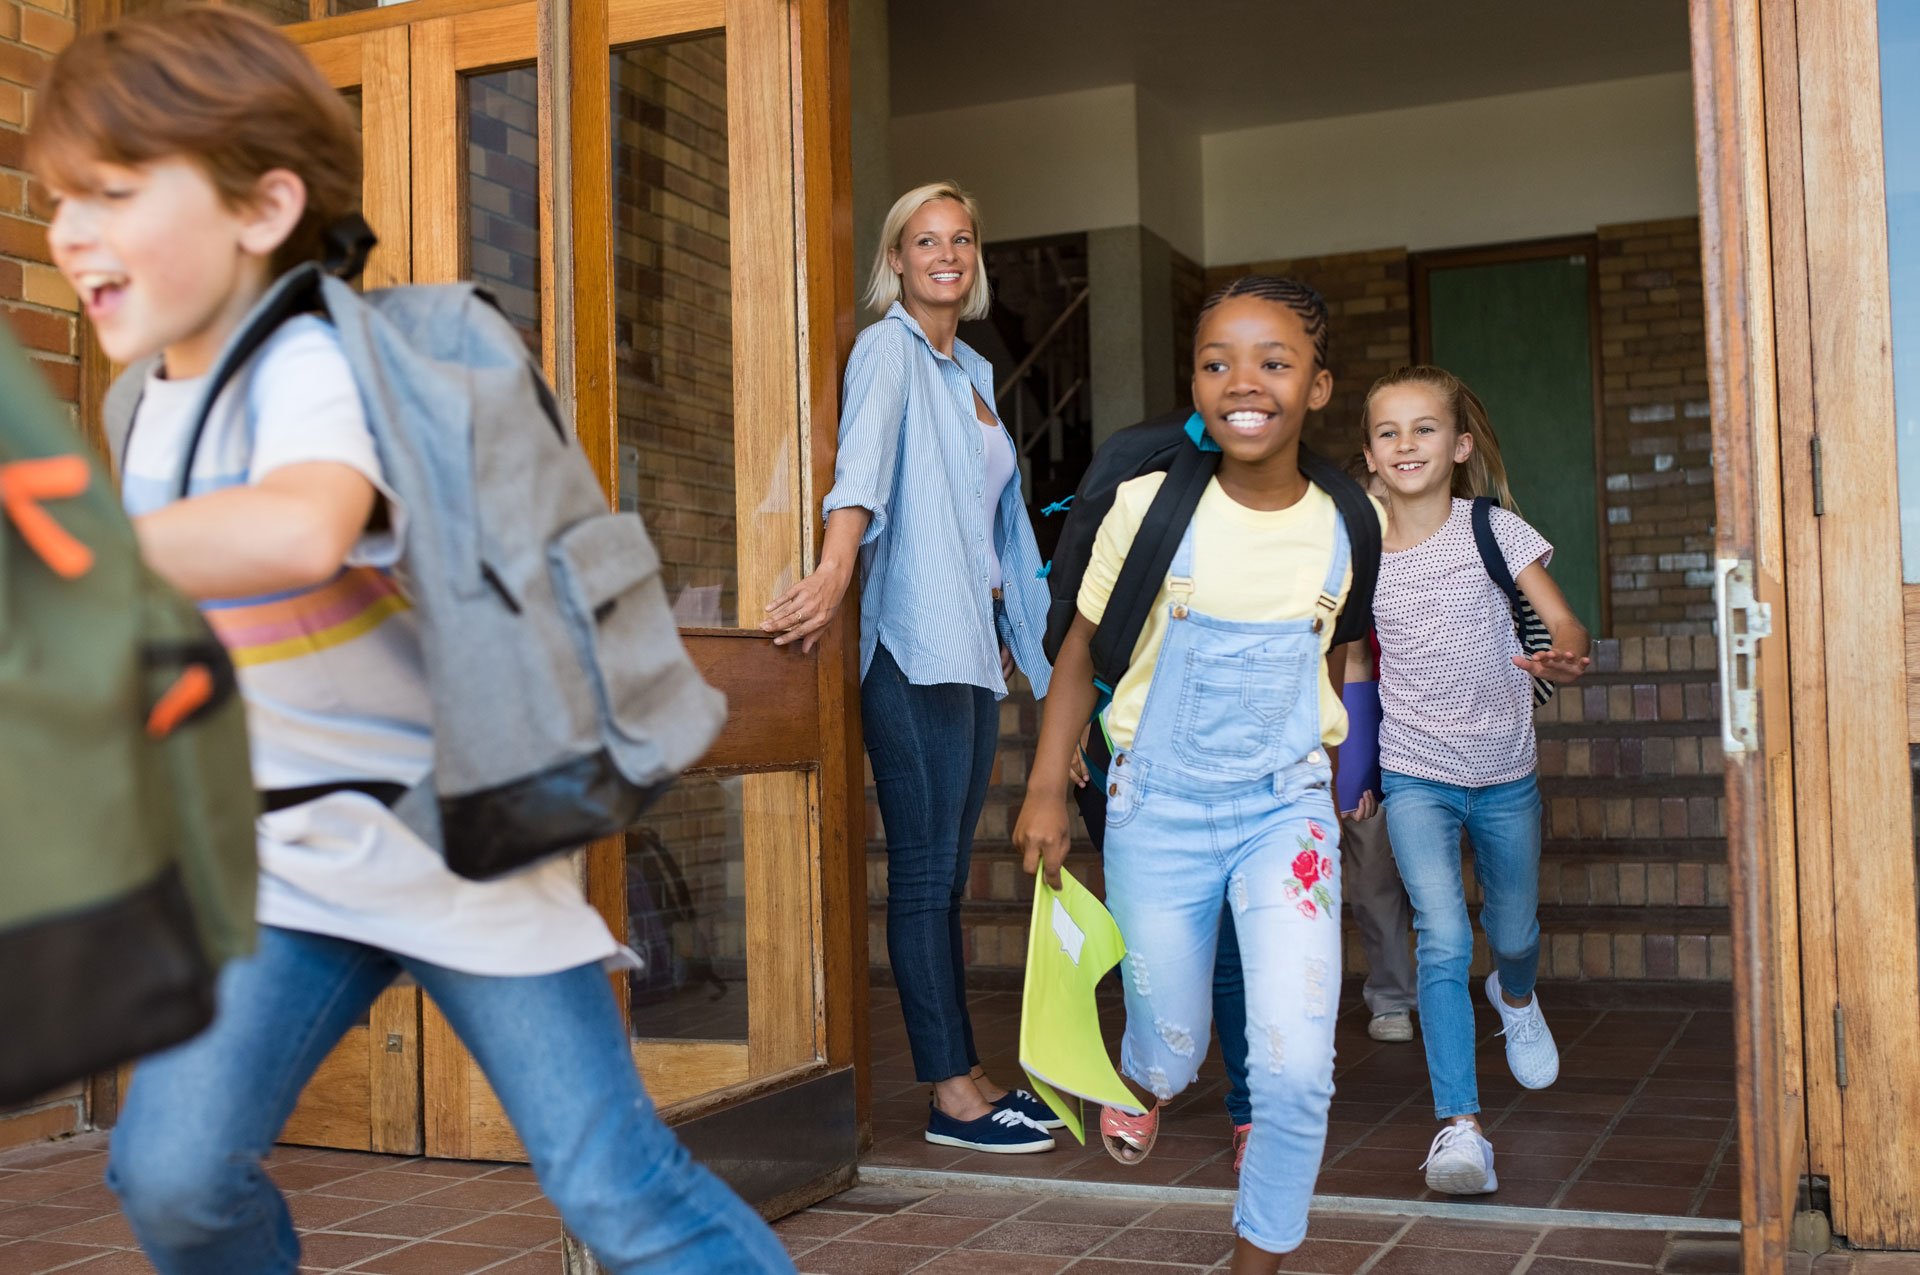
912 452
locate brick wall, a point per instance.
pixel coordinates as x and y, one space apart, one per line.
1656 434
503 193
1372 332
673 316
35 302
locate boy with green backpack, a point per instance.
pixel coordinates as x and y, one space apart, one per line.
201 166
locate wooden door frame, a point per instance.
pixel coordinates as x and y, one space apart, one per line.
1422 264
1795 241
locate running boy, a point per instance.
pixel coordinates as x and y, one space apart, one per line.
1219 793
194 158
1456 739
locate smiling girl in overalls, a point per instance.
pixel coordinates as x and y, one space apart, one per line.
1221 783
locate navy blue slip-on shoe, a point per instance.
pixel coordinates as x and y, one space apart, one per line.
1004 1132
1030 1106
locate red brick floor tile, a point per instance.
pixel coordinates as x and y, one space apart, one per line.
305 1175
1720 1204
94 1195
919 1228
1441 1233
507 1230
841 1257
539 1205
813 1223
119 1262
1719 1256
1191 1217
28 1220
995 1204
968 1263
434 1257
1685 1174
381 1184
1194 1248
1439 1261
318 1212
1053 1238
883 1199
482 1194
1641 1247
1619 1197
1328 1257
1110 1266
329 1250
1574 1266
110 1230
1090 1212
31 1257
514 1173
414 1221
27 1186
527 1264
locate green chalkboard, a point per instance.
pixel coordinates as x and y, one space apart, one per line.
1520 334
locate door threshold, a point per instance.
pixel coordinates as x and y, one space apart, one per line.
942 1180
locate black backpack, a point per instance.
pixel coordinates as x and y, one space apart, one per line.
1527 624
1175 444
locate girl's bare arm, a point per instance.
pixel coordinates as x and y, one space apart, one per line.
1568 658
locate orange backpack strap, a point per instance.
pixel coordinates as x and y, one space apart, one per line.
26 483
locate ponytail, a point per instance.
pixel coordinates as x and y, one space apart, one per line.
1483 473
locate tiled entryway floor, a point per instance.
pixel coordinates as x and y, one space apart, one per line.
1640 1121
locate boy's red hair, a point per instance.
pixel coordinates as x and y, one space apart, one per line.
215 86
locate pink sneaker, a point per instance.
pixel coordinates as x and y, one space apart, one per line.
1241 1132
1129 1138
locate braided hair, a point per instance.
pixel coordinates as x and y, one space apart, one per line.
1291 293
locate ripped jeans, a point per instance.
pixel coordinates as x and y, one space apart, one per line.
1171 856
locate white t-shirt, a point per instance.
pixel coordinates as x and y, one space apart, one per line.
1453 706
336 689
998 445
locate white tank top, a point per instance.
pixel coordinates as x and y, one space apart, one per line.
1000 471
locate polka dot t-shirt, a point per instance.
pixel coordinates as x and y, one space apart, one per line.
1454 708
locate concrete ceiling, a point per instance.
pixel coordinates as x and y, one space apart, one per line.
1227 64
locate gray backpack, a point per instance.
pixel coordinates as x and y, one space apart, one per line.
563 700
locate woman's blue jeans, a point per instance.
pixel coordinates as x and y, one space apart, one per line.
186 1155
1424 821
932 753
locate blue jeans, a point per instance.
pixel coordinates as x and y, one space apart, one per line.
1424 821
932 752
186 1155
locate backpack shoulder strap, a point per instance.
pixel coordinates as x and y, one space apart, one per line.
297 292
1363 540
1490 556
121 405
1147 561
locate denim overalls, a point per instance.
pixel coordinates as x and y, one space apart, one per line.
1225 793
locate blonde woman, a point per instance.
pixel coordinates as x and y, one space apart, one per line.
926 499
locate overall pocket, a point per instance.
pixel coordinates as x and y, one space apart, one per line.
1233 712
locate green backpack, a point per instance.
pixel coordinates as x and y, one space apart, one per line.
127 875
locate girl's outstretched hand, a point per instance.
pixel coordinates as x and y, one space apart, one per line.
1554 666
1042 835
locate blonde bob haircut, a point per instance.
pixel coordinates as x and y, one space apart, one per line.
883 288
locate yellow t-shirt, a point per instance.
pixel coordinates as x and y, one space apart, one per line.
1248 564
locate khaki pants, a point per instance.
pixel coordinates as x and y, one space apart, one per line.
1371 886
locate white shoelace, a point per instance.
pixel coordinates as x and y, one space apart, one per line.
1011 1118
1526 1025
1446 1138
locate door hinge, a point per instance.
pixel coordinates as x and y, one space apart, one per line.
1742 620
1840 1044
1819 481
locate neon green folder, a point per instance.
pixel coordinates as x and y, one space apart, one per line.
1071 944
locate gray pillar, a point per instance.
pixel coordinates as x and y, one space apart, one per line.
1130 273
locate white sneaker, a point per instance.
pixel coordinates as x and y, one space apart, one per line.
1394 1025
1460 1161
1531 1054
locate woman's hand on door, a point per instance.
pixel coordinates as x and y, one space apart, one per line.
803 612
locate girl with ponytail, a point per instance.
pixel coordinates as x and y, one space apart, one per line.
1456 738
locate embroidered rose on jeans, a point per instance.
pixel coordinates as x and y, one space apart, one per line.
1310 870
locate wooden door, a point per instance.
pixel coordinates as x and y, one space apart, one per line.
1811 74
648 187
